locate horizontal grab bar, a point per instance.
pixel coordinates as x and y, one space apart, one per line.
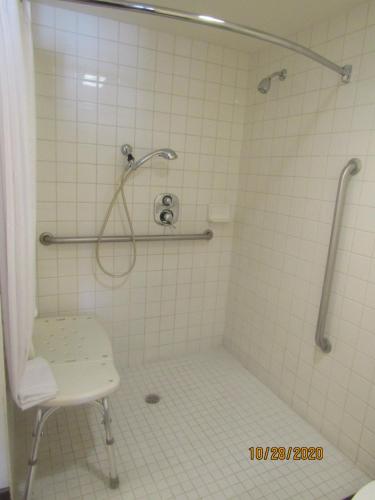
49 239
352 168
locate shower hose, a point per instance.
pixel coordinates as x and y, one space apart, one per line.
119 191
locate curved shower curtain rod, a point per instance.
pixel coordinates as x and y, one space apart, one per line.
214 22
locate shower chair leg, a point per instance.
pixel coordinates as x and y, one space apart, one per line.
109 441
40 420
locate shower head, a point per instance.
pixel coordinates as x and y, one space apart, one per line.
166 153
265 84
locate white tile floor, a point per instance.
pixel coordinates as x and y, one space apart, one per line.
193 444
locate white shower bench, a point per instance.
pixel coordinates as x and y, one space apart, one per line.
80 355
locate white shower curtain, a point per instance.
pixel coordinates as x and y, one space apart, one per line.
30 381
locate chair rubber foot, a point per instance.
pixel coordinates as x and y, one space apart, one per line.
114 482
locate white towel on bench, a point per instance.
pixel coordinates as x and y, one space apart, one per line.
37 384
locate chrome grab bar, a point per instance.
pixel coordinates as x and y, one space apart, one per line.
214 22
49 239
352 168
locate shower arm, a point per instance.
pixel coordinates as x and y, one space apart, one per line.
281 75
206 20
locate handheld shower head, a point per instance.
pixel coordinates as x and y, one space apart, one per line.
265 84
166 153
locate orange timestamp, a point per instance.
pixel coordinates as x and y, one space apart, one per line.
286 453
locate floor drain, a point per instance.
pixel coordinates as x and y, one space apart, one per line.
152 399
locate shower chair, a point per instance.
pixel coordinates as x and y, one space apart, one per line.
81 358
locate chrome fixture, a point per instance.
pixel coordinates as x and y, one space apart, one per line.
47 239
265 84
214 22
352 168
131 165
127 150
167 200
166 209
166 153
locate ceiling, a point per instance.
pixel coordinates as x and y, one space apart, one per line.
280 17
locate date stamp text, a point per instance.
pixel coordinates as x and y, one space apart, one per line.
283 453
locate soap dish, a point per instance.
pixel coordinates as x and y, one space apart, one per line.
219 213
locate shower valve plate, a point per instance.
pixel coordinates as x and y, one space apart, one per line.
166 202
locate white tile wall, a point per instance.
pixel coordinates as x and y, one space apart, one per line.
297 139
102 83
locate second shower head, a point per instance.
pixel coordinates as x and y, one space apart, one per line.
265 84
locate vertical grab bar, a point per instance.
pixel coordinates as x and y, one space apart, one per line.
352 168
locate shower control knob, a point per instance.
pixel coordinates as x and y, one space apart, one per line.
167 200
166 217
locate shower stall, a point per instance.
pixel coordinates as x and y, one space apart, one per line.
209 199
